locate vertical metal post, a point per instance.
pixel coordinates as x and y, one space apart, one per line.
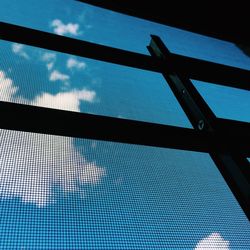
230 164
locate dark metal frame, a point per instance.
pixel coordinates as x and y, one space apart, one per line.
202 118
189 67
226 141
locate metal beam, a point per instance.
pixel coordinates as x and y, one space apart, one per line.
196 109
77 47
73 124
238 128
208 137
200 70
232 134
28 118
189 67
202 118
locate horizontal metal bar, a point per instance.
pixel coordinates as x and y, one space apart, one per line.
211 72
58 122
189 67
239 128
77 47
231 133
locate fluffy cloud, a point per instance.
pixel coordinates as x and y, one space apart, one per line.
50 59
50 65
18 49
62 29
31 165
75 64
48 56
56 75
65 100
7 89
213 241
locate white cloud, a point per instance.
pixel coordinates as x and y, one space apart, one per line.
48 56
18 49
50 65
73 63
65 100
56 75
7 89
31 165
61 29
87 95
213 241
50 59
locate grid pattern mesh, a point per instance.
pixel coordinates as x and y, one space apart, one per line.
65 193
61 81
226 102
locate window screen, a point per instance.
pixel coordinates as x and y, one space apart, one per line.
45 78
68 193
83 21
226 102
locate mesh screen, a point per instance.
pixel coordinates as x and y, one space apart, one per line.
67 193
226 102
45 78
83 21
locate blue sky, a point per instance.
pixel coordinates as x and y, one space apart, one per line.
76 193
105 27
